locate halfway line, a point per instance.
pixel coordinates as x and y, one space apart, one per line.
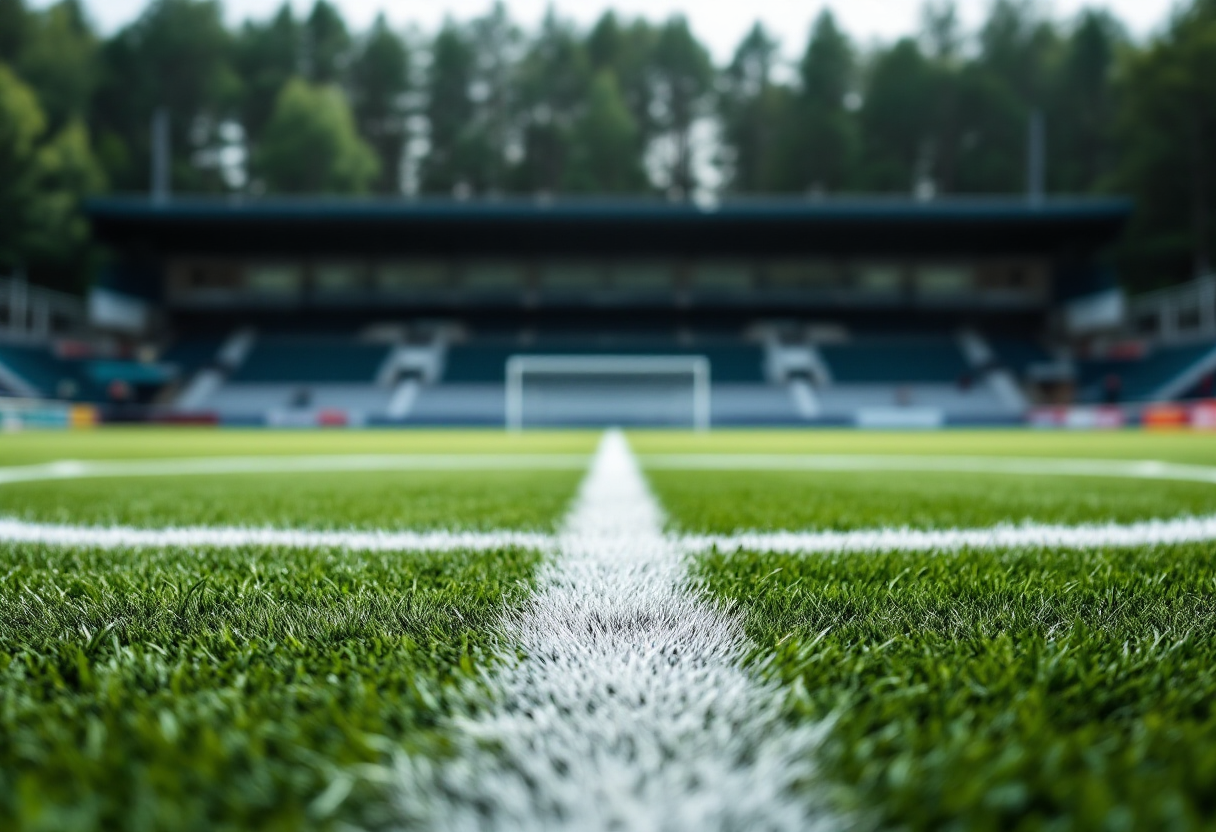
630 709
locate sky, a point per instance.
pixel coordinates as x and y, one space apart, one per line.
720 23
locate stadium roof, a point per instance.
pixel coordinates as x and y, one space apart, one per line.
609 227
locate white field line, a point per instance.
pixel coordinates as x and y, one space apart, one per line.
1027 535
1130 469
194 537
630 709
204 466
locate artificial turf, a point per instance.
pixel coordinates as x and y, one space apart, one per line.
474 500
238 689
1170 446
267 688
996 690
722 502
172 442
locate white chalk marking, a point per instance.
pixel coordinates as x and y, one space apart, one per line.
1007 536
193 537
630 709
70 469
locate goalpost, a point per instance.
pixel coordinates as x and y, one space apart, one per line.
605 389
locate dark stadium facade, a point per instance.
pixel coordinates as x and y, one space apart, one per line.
1000 262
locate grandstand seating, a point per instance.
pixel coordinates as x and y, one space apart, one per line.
315 360
906 360
1019 354
482 362
252 400
46 373
1140 379
190 355
978 402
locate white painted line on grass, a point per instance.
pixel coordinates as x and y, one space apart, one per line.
1027 535
1130 469
202 537
204 466
630 709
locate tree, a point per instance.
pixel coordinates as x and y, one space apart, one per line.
604 157
1082 105
1167 137
753 111
554 92
821 139
175 56
327 45
449 111
311 145
266 56
628 51
897 119
682 80
42 178
14 24
380 80
59 60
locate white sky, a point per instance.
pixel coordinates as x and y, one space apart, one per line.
720 23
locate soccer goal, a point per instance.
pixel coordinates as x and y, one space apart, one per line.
569 390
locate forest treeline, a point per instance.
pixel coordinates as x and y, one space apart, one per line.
305 104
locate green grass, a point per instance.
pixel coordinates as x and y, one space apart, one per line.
998 690
1191 447
193 690
149 442
727 501
480 500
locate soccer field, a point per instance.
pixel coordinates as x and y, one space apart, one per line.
652 630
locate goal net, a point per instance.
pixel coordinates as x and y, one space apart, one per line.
569 390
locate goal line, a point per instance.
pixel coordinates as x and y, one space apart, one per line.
695 368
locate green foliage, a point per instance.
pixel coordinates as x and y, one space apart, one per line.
42 178
725 502
311 145
175 56
753 109
380 78
604 142
146 442
615 108
682 78
253 689
482 500
997 690
266 56
1167 135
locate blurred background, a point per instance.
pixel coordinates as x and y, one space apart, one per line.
949 211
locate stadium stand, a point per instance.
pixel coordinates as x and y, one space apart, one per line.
1019 354
189 355
480 362
1163 373
37 371
303 359
896 360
